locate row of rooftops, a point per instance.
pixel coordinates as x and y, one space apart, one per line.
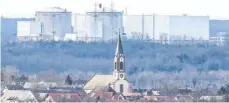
104 94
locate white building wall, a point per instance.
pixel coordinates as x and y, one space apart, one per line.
23 28
132 24
126 86
196 27
148 26
36 28
47 22
104 24
161 26
79 23
57 23
173 27
94 26
28 28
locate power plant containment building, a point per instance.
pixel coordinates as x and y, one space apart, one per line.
55 21
167 27
104 24
101 23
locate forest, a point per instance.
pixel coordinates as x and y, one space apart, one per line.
98 56
143 60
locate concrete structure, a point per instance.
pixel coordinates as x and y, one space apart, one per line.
118 80
102 23
50 23
221 38
168 27
54 21
28 30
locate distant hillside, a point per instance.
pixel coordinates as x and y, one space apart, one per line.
218 26
140 56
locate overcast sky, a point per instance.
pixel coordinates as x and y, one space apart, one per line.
214 8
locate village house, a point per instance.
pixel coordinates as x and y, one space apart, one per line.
63 97
18 96
106 94
211 99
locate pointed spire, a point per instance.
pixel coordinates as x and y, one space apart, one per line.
119 49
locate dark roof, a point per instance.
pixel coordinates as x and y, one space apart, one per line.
119 49
65 97
79 81
68 90
15 87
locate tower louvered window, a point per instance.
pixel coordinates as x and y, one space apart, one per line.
121 66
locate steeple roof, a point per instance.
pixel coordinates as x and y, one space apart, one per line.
119 49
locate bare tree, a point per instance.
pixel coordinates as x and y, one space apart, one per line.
68 80
224 90
194 80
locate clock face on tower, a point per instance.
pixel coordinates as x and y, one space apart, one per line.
121 59
121 75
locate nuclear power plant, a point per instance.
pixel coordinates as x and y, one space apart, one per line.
50 23
103 23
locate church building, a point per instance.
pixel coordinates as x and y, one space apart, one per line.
117 81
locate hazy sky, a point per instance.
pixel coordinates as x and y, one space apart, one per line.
214 8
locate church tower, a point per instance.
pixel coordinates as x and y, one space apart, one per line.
119 61
118 80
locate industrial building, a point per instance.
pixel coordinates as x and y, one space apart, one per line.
167 27
103 23
50 23
220 38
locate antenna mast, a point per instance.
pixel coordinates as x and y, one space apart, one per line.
95 19
112 14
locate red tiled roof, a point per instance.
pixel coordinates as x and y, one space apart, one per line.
150 97
71 97
58 93
112 100
101 94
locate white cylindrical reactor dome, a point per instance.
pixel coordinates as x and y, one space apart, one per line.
104 24
55 21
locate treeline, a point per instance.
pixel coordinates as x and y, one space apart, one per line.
141 56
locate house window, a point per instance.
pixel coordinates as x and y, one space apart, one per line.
121 88
121 66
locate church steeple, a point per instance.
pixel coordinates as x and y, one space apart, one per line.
119 49
119 60
121 84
